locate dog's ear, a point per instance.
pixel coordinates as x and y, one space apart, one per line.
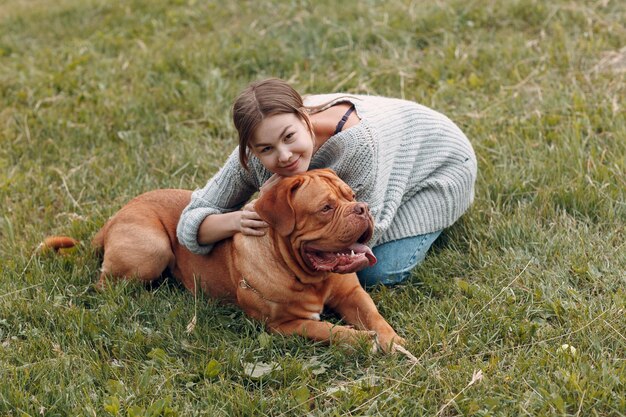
275 205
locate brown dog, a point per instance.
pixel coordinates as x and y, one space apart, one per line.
306 261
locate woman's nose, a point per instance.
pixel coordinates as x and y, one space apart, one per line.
284 155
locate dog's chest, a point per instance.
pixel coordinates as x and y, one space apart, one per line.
273 303
301 305
308 304
312 311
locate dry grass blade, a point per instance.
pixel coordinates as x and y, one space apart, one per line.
401 349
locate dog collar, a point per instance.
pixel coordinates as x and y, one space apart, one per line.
246 286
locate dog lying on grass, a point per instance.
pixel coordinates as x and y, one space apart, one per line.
307 260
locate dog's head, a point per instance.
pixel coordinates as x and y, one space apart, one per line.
317 215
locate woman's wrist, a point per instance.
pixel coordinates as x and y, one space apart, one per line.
217 227
235 221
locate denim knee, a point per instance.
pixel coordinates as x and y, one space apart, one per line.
396 260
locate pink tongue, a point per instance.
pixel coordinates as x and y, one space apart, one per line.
361 248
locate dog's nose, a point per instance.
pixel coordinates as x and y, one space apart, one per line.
361 208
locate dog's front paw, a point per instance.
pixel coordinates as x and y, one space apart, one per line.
388 342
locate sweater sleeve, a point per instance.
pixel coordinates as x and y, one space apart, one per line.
227 191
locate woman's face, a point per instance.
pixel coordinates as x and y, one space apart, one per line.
283 144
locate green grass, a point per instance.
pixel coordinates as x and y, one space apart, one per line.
102 100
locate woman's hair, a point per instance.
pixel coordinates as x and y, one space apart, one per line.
262 99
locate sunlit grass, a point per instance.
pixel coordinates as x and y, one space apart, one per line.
102 100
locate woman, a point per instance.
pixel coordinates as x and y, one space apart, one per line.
412 165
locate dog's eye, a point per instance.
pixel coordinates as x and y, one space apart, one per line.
327 208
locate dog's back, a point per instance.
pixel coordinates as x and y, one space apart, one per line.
140 242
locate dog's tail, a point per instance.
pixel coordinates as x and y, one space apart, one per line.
57 243
98 240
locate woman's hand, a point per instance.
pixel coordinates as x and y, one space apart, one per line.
250 223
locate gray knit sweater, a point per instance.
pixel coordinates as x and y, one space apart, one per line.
412 165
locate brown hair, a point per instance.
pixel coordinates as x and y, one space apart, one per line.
262 99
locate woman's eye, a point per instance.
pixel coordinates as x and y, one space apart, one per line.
265 150
289 136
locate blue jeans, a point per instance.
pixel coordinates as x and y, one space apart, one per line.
396 259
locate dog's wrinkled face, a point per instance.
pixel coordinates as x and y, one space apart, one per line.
325 226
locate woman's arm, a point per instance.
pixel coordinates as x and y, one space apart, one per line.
221 226
218 203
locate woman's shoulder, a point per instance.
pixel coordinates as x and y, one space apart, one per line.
331 98
321 102
364 103
232 171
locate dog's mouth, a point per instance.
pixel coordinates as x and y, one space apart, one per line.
351 259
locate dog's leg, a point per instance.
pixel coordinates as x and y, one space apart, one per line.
323 331
134 251
356 307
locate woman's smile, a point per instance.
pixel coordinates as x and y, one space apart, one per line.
293 165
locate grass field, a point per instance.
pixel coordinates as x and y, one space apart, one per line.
102 100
